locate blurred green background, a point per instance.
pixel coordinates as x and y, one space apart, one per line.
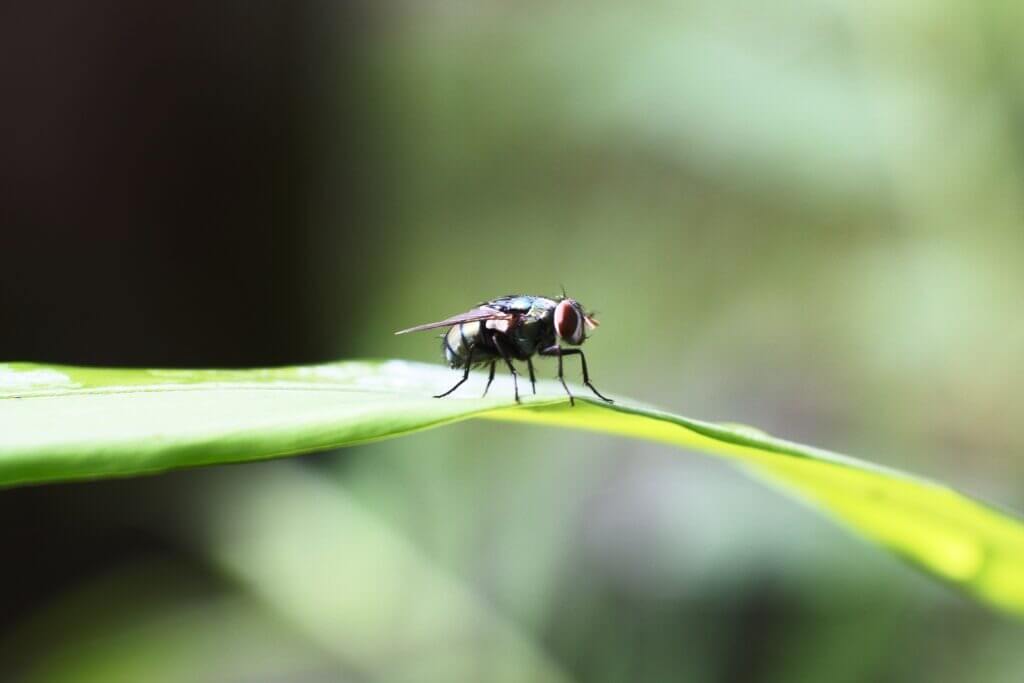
800 215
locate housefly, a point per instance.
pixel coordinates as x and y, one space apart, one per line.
515 327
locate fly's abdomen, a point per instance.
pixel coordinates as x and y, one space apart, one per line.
464 345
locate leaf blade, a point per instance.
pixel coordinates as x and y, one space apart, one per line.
60 423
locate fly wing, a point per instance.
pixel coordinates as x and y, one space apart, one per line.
474 315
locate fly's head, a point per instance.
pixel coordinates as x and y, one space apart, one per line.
572 322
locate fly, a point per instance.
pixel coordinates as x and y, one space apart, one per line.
515 327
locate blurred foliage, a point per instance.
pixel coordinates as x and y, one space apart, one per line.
801 215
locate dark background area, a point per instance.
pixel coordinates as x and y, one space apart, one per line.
157 184
159 179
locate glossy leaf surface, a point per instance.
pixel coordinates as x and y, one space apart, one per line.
62 423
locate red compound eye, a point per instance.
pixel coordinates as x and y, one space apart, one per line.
569 322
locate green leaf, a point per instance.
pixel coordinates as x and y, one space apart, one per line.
60 423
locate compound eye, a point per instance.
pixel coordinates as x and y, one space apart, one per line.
569 322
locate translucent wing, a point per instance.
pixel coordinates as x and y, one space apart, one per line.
474 315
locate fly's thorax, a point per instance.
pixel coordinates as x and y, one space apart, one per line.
532 334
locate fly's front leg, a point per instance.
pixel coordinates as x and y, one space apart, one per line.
586 375
533 378
500 345
559 351
490 378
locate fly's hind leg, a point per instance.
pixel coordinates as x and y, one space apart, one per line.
490 378
533 378
498 344
465 376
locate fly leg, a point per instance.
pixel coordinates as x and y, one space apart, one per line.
490 378
465 376
533 378
508 361
559 351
